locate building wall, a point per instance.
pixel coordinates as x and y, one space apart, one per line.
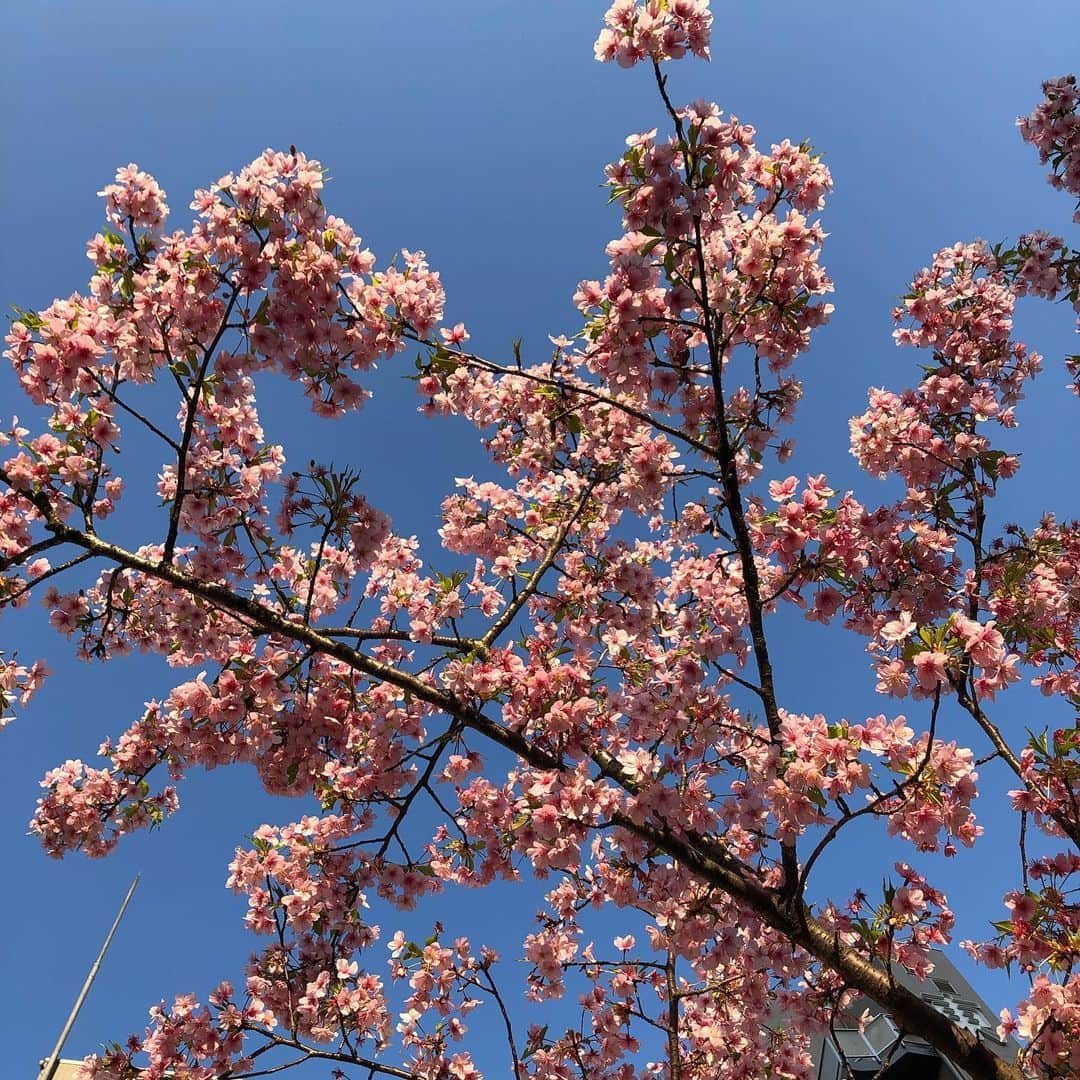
65 1070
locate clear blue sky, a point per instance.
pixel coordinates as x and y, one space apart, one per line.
478 132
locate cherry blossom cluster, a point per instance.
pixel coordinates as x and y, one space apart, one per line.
448 982
265 257
308 898
702 213
891 576
70 458
304 884
18 683
656 30
1053 128
1050 769
135 199
912 919
304 728
1044 264
960 308
830 763
724 974
1034 593
89 809
1039 938
203 1042
1050 1017
1041 264
325 312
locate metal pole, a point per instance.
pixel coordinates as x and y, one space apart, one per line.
48 1069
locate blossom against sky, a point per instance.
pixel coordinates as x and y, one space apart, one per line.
480 139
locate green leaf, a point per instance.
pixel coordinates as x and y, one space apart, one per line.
834 573
30 319
1040 742
535 1043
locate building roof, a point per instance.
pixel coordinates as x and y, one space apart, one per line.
866 1045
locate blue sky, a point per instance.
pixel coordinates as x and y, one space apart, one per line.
478 131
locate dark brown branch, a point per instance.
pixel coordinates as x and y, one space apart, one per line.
464 644
327 1055
115 398
731 487
587 392
522 598
192 398
968 701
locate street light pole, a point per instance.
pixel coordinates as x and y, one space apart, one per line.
48 1069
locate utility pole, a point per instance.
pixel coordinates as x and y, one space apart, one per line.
48 1068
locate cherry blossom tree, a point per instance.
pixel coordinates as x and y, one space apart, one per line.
604 626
